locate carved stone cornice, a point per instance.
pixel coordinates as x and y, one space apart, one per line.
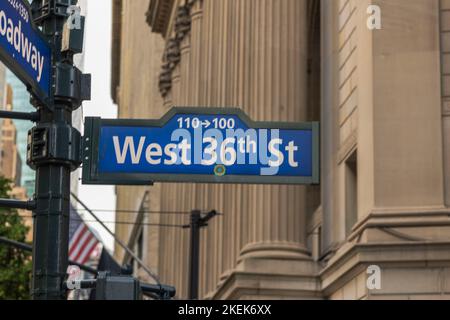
172 52
158 15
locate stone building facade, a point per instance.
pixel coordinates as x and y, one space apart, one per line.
382 97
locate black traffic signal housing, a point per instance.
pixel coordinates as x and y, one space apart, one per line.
117 287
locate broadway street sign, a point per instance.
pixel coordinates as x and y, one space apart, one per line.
23 49
205 145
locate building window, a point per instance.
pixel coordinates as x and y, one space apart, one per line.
351 192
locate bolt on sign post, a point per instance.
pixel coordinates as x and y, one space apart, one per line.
204 145
31 46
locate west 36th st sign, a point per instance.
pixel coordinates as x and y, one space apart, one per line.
23 48
210 145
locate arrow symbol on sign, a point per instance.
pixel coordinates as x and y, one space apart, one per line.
206 124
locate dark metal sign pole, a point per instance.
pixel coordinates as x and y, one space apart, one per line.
197 222
54 152
51 216
194 255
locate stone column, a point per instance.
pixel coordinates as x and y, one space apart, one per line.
445 81
268 67
277 87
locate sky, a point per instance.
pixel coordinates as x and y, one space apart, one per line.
97 61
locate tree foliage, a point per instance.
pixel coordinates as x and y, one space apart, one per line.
15 264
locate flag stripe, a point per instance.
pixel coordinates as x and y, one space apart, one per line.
76 235
82 241
79 236
80 244
88 251
83 246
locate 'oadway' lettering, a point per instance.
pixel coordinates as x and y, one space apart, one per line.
22 44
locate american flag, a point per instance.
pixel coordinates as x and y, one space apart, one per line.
82 242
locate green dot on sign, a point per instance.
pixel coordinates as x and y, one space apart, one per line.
219 170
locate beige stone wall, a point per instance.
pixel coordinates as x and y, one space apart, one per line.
387 128
407 107
394 79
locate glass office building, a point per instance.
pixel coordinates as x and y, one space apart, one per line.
21 103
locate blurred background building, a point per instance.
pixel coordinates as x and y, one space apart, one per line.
382 97
21 103
2 85
11 163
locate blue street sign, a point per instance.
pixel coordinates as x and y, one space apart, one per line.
205 145
23 49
